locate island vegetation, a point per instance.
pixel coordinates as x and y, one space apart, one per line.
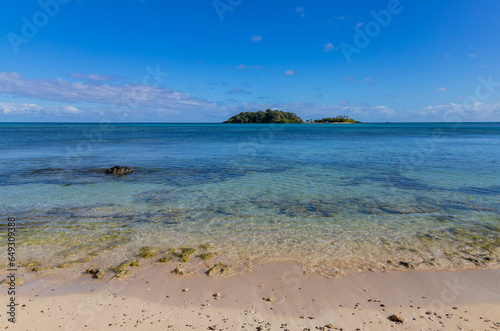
338 119
269 116
277 116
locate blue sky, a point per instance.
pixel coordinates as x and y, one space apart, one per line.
203 61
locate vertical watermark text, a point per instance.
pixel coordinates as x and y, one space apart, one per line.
11 278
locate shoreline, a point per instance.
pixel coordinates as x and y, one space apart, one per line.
266 298
195 266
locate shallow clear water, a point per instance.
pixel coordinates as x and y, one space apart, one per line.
336 197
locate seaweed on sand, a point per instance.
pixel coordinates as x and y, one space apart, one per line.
220 268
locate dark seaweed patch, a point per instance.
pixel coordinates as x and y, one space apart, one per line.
394 180
310 208
463 205
491 190
377 207
155 197
181 177
330 208
168 217
104 213
444 218
269 170
447 205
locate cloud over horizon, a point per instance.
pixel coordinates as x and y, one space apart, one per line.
94 77
139 101
256 38
9 108
129 94
238 90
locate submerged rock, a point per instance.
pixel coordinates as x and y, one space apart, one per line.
118 170
95 272
185 253
147 251
123 273
69 263
121 267
177 271
206 256
218 268
165 259
33 264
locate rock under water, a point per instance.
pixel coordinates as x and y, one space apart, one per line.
118 170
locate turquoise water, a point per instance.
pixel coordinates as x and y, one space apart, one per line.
334 197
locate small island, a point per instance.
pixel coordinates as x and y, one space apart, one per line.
269 116
277 116
338 119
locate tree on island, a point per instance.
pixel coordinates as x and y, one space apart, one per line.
338 119
277 116
269 116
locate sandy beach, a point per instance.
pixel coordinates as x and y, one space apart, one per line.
250 165
273 296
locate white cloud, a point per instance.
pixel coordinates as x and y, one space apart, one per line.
329 47
243 66
460 112
153 103
385 110
128 95
289 72
340 18
300 10
360 24
441 89
34 109
138 101
94 77
238 91
256 38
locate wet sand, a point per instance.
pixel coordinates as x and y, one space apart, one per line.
274 296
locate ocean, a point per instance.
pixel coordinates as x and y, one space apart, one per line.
335 198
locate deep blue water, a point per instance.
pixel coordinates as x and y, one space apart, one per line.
334 195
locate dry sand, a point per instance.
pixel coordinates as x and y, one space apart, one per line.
274 296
